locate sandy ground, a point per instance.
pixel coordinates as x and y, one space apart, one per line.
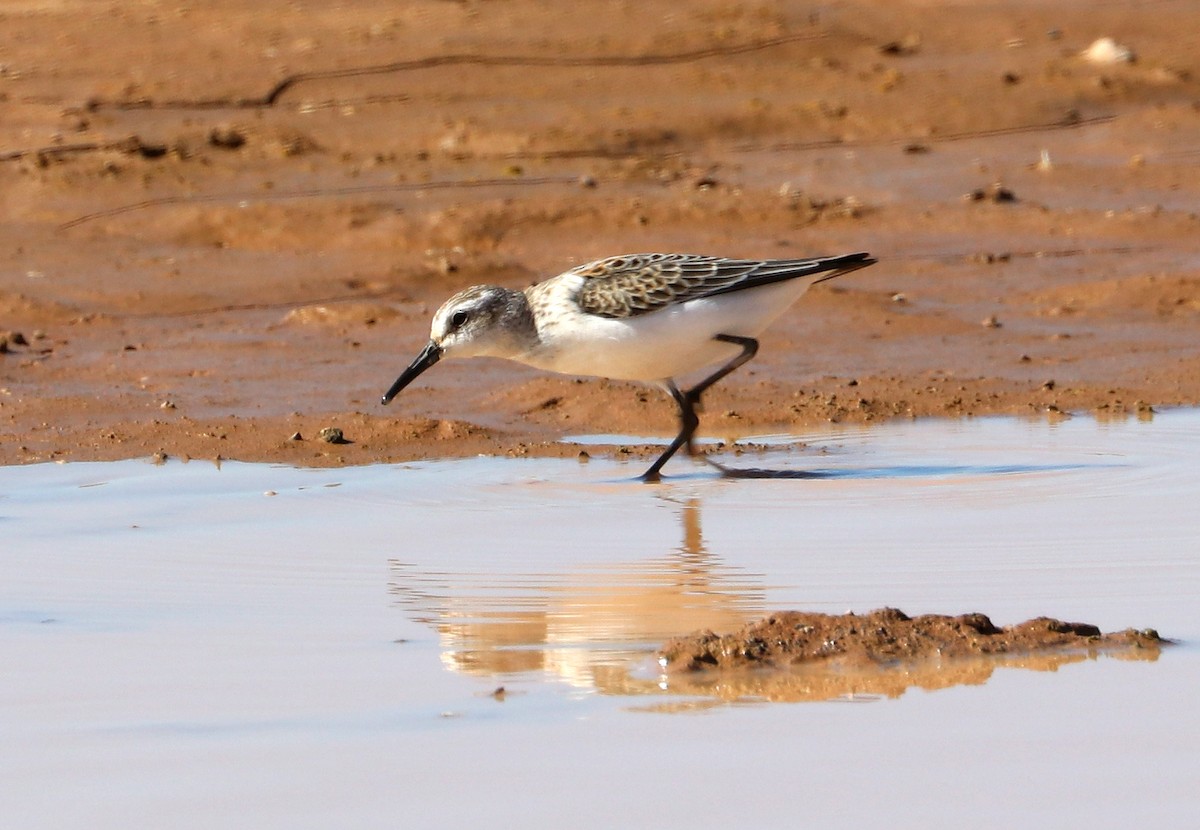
228 223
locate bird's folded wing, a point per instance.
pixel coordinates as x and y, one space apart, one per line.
626 286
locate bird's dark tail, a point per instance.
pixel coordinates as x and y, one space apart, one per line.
781 270
839 265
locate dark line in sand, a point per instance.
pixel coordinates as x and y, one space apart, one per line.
1071 122
272 96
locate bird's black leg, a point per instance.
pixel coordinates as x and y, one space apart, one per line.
749 349
688 421
689 401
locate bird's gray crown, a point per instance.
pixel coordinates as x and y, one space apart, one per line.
483 320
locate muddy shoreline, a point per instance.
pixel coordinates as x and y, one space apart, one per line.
225 227
888 636
804 656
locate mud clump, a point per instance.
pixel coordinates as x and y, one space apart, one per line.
887 637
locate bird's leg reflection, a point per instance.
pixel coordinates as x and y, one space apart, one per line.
693 537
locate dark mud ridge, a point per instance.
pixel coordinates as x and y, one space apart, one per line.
888 637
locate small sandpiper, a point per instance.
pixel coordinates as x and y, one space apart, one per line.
645 317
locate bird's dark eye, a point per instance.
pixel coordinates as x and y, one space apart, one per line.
457 319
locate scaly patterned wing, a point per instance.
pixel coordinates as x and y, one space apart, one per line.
626 286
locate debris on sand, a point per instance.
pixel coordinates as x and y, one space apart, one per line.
887 637
11 338
332 435
1106 52
226 137
997 193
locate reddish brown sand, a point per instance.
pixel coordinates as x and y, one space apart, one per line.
226 223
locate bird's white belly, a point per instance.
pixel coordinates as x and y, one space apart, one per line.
662 344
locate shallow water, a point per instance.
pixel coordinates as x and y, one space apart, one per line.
193 646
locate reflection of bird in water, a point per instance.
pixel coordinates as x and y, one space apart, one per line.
587 618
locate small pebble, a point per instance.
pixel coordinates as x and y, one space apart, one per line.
910 45
332 435
1106 52
990 322
226 137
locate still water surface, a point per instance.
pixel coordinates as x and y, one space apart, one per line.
193 646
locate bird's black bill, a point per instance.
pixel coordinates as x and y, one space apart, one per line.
429 356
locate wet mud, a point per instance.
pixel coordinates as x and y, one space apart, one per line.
888 635
885 652
229 223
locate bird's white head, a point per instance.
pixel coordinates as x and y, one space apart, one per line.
480 321
483 320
